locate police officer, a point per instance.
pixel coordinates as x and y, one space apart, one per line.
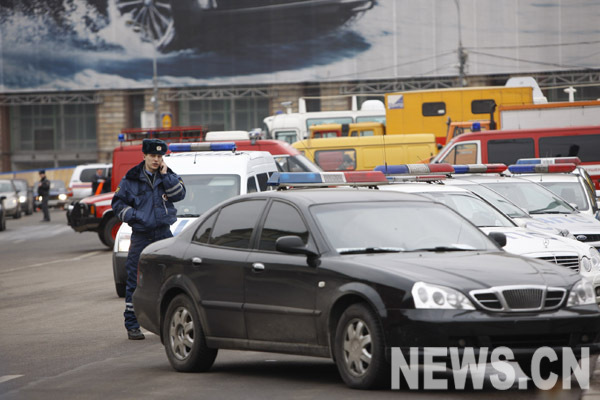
44 192
144 200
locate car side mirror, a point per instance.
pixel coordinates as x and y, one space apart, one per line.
293 245
498 237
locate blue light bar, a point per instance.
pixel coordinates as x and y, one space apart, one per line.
541 168
479 168
351 178
550 160
201 146
414 169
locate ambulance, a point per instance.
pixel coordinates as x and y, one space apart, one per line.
211 172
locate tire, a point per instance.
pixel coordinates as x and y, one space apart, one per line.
18 212
183 336
108 231
121 288
29 209
359 349
2 220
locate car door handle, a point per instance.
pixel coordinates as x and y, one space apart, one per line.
258 267
196 261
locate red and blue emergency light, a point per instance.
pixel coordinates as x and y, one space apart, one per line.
550 160
479 168
541 168
202 146
307 179
415 169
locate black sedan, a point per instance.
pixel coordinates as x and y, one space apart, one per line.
351 274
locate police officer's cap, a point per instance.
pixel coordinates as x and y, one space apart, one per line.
154 146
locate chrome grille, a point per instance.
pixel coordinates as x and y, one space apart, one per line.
519 298
569 261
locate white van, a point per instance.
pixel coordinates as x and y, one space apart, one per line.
80 185
292 127
209 177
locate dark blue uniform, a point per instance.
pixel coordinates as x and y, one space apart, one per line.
145 202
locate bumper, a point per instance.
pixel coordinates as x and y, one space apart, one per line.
79 218
522 333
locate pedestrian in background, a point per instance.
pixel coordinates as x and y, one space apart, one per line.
44 192
144 200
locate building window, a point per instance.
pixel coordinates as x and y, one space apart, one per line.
53 127
225 115
136 104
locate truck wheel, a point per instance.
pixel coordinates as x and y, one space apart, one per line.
108 231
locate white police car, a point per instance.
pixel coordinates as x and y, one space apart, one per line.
539 202
563 177
553 248
211 172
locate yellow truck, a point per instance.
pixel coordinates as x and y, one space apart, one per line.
363 153
347 130
429 110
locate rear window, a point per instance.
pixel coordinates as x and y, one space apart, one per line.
508 151
583 146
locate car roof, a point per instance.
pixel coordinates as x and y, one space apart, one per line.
415 187
338 195
221 162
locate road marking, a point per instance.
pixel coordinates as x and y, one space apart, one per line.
81 257
6 378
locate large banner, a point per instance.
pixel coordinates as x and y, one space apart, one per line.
48 45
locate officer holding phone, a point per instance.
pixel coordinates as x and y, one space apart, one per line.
144 200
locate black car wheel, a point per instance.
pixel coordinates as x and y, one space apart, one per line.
108 231
17 214
2 220
359 349
121 288
184 338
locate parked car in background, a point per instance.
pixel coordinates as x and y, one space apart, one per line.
58 194
25 193
10 198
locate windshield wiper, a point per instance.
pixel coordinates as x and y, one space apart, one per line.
547 211
443 248
367 250
188 215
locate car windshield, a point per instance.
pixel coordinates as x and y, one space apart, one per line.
571 192
57 185
472 208
372 227
204 191
21 185
532 197
5 186
297 163
500 202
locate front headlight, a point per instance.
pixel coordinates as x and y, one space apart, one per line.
595 258
427 295
62 197
123 242
581 293
22 199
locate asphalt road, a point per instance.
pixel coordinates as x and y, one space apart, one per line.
62 337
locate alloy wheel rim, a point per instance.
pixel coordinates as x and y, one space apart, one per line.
357 347
181 333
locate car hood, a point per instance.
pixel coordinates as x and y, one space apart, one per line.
534 244
464 270
576 223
